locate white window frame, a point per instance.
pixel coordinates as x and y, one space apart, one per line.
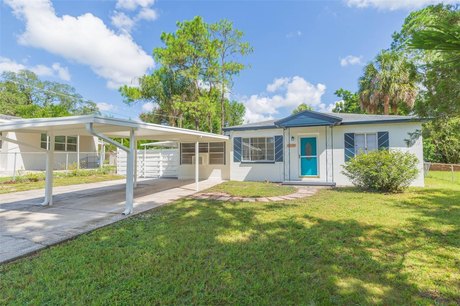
204 148
66 143
250 154
366 150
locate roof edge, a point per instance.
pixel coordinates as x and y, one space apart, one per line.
327 117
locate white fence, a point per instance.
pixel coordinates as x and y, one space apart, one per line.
12 163
152 163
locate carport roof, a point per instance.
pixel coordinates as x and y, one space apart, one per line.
112 127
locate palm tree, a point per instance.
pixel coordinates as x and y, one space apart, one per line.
443 37
389 81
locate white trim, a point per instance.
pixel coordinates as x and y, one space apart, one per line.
365 141
259 160
48 123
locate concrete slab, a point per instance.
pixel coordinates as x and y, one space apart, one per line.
26 227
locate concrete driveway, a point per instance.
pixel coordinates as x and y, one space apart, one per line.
26 227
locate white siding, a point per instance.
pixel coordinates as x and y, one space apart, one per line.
396 132
207 171
330 160
253 171
29 159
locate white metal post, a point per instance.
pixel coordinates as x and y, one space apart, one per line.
143 162
78 152
197 164
135 163
49 171
14 166
130 175
67 161
102 154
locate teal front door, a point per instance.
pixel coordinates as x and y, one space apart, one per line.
308 157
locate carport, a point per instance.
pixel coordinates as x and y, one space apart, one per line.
105 129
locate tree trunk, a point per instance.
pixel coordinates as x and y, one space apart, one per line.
394 109
222 110
386 105
210 124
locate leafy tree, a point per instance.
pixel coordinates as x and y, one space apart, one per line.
234 113
229 48
198 63
430 37
443 37
389 81
442 141
23 94
302 107
349 103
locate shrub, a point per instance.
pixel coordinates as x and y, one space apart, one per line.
384 171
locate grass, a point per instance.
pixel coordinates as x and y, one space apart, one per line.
252 189
37 180
443 177
337 247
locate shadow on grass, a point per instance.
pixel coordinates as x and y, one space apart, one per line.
205 252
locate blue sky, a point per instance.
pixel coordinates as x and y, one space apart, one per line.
303 50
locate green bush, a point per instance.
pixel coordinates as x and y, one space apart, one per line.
384 171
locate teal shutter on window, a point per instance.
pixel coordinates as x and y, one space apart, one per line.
278 148
349 146
237 149
383 140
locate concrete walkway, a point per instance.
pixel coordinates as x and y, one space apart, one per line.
26 227
302 192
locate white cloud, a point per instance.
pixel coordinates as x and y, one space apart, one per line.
148 107
327 108
125 21
288 94
62 72
297 33
105 106
147 14
122 21
56 70
396 4
351 60
277 84
84 39
133 4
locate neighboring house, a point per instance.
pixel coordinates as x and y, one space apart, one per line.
14 157
311 147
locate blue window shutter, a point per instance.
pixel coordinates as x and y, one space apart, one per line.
383 140
279 148
237 149
349 146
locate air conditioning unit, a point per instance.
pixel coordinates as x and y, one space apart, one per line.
203 159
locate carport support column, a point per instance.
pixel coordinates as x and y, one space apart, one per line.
49 171
197 164
130 174
135 163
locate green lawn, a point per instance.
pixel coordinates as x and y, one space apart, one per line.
252 189
337 247
6 186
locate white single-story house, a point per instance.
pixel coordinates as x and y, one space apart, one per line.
70 150
311 147
305 148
